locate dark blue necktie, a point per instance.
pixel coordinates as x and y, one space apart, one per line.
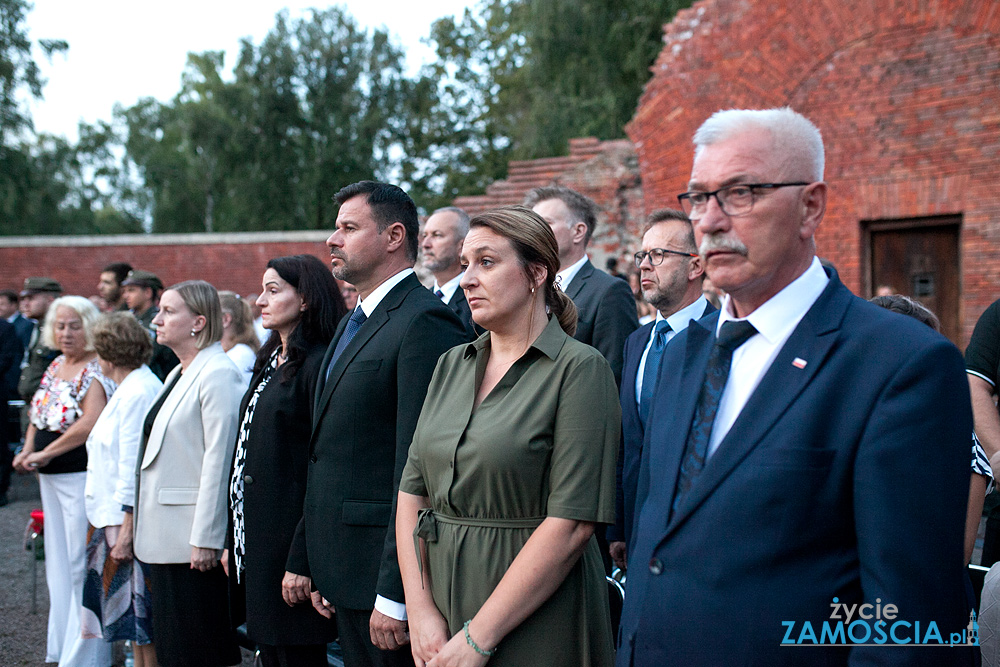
439 294
358 318
652 368
731 336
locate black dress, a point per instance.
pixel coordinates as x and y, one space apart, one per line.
274 469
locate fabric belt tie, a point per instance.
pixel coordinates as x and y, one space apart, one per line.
427 528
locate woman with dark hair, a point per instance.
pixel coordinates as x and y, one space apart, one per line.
269 580
511 468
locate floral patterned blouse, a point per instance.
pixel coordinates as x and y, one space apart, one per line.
57 403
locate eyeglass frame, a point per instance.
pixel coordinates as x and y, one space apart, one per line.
641 256
688 206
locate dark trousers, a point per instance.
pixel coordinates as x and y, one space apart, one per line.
356 642
309 655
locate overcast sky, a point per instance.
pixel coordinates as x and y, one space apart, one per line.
123 50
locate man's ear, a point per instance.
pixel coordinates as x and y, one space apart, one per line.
395 236
696 269
813 208
579 232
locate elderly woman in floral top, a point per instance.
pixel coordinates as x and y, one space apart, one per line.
62 412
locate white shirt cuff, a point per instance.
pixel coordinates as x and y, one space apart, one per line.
390 608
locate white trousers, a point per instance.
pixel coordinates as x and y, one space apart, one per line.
65 568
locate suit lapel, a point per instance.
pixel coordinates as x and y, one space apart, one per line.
174 400
780 386
320 397
576 285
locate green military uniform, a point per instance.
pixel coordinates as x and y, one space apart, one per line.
39 358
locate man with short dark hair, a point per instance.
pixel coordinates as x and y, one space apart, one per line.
141 293
36 297
441 242
606 306
9 311
369 395
109 286
810 457
671 274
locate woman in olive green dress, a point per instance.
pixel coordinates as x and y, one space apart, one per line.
512 465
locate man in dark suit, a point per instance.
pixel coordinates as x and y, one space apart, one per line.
369 395
10 312
671 276
806 460
606 306
441 244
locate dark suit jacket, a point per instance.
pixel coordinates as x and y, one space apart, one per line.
460 305
274 489
363 422
23 327
847 478
630 450
606 313
11 353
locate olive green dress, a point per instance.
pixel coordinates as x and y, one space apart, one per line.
542 443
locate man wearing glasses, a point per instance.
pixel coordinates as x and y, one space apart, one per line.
671 276
806 452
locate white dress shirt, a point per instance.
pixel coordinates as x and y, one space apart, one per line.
678 322
565 276
774 320
113 445
390 608
244 358
449 288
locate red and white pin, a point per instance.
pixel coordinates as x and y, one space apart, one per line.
799 363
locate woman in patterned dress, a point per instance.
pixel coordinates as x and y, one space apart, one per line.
115 594
69 399
268 576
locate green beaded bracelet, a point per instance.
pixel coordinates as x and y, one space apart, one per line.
474 645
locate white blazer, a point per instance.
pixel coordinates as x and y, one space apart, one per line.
112 447
183 474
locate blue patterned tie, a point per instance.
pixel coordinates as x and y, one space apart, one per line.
651 369
731 336
358 318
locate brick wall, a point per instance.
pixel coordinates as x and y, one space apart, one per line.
906 93
229 261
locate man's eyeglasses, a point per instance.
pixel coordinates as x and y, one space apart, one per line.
656 255
733 199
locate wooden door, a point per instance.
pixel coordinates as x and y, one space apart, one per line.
920 260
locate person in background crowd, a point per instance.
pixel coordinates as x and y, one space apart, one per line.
350 294
672 274
611 268
258 322
109 286
645 312
982 365
11 354
180 514
605 305
512 466
982 473
141 290
441 244
373 380
301 306
9 311
115 595
36 297
239 340
814 448
70 396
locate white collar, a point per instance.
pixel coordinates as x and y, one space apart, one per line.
369 304
566 275
449 288
777 316
678 321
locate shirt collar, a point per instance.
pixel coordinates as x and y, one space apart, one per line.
678 321
449 288
369 305
549 342
565 277
777 316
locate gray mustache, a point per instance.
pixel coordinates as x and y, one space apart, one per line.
712 242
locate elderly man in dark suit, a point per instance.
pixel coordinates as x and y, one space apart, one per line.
441 242
671 276
370 391
606 305
806 461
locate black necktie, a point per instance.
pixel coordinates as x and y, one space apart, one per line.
358 318
651 369
731 336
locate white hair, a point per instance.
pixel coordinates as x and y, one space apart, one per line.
791 132
81 306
